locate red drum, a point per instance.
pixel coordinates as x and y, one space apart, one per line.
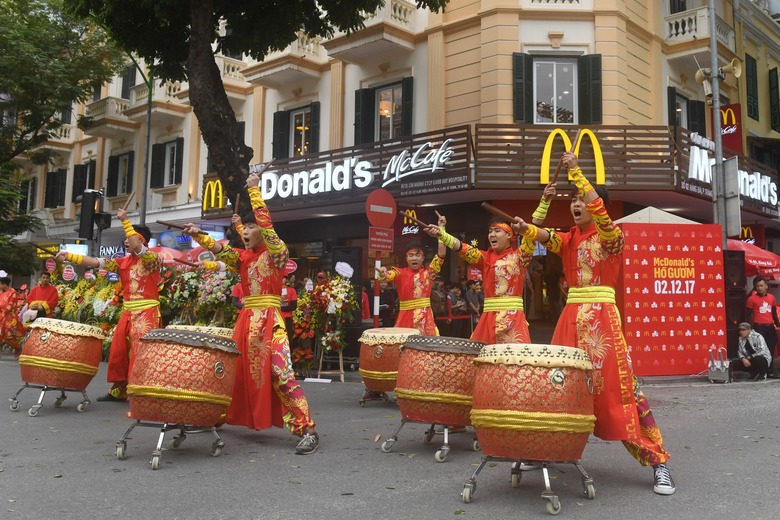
61 353
379 356
223 332
436 379
533 402
182 377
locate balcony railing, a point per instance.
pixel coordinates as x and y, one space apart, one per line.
303 47
167 91
396 12
112 107
230 68
64 133
694 24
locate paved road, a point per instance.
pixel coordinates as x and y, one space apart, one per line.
62 465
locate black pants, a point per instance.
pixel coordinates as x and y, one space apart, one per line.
769 333
758 366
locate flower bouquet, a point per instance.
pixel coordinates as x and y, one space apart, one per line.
334 303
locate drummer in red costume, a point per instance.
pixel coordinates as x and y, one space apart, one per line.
139 273
592 254
11 330
266 392
503 278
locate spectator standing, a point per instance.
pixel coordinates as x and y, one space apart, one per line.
43 299
761 309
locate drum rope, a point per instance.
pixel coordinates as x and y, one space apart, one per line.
384 376
57 364
532 421
177 394
433 397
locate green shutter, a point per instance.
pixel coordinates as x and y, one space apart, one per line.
523 87
112 182
774 100
314 128
751 82
179 160
589 91
697 118
407 106
79 181
157 172
281 143
364 115
130 171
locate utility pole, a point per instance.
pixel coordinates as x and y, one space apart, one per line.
719 177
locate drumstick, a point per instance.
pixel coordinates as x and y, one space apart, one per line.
264 168
177 226
560 161
185 262
497 212
235 204
415 219
127 202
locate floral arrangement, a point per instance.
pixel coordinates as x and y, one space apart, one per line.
334 304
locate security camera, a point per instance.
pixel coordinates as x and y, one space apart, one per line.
707 91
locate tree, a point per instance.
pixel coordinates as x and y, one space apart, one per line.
49 59
177 37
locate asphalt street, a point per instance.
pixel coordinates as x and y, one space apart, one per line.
61 464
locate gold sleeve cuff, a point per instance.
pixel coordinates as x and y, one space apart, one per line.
255 197
205 241
541 210
128 227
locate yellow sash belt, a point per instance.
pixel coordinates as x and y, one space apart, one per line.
417 303
595 294
140 305
263 301
503 303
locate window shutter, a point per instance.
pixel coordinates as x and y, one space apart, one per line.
179 159
158 166
407 106
751 82
91 174
79 181
128 81
671 102
364 115
590 102
130 176
113 176
697 118
49 196
62 180
523 87
774 100
314 128
281 144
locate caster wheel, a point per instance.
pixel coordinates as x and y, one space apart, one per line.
428 437
15 406
467 494
362 403
120 451
58 402
553 507
590 491
155 462
440 456
32 412
216 449
386 446
386 397
515 481
176 442
475 445
81 407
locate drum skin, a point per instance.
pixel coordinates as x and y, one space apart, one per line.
61 354
223 332
532 402
379 356
182 377
436 379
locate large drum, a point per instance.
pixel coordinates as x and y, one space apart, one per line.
61 354
182 377
533 402
205 329
436 379
379 356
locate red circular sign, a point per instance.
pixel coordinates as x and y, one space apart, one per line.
88 274
68 273
51 265
290 267
381 208
102 272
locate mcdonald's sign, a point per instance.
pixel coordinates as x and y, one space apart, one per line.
731 127
213 195
406 226
547 153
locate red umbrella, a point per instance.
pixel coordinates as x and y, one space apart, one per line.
200 254
168 254
757 260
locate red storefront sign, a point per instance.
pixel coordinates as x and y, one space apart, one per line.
673 296
731 127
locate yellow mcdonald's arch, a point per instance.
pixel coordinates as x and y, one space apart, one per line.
724 116
408 221
746 232
213 196
547 152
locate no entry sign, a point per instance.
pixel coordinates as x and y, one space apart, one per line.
381 208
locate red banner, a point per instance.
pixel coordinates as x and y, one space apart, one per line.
673 296
730 128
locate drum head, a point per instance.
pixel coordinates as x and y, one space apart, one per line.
385 335
444 344
192 339
71 328
535 355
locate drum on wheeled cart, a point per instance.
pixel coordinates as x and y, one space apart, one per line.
380 351
532 405
59 355
182 380
435 384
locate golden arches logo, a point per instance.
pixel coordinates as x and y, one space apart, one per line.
601 177
213 195
411 213
746 232
724 117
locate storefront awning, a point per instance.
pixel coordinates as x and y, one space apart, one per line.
757 261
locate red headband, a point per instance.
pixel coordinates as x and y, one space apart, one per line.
503 225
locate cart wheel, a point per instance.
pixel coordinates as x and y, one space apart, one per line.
216 449
362 403
120 450
553 507
155 462
82 406
58 402
32 412
15 405
467 492
515 481
428 437
590 490
440 455
176 442
386 397
475 445
386 446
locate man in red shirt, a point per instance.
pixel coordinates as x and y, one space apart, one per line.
289 304
762 314
43 299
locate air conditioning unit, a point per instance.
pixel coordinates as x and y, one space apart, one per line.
155 201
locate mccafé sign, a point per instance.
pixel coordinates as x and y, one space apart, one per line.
754 185
731 127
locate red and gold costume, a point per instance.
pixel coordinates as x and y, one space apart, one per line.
46 296
140 278
266 392
11 329
503 278
590 321
414 292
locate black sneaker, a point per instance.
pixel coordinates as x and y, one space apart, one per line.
111 399
663 484
308 444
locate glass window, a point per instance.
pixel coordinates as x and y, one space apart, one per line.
27 202
389 103
170 164
681 112
123 175
301 131
555 95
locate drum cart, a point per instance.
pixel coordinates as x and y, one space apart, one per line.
441 453
33 411
520 467
367 396
121 445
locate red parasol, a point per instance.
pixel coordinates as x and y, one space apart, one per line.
757 260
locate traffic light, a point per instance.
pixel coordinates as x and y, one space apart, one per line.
90 201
